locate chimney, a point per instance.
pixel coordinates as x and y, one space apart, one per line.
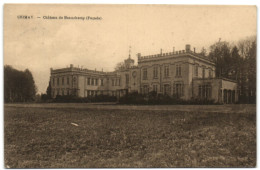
138 55
161 51
194 50
173 49
187 48
71 65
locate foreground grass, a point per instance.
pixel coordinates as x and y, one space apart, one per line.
45 138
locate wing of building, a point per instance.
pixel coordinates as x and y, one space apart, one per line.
185 74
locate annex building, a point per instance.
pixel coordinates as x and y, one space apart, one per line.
184 73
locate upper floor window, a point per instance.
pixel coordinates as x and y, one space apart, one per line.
53 81
210 73
113 82
145 74
101 82
166 71
62 81
127 78
58 81
178 70
155 72
96 82
92 81
196 70
203 73
88 81
119 82
68 80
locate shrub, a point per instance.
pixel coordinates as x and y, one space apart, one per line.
153 98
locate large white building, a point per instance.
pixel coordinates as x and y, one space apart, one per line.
184 73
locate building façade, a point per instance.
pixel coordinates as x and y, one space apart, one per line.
185 74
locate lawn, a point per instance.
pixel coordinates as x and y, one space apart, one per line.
44 137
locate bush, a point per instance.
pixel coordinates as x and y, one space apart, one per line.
102 98
153 98
75 99
133 98
70 99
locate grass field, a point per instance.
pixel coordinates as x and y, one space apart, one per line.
43 137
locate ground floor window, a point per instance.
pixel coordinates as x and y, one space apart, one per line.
167 89
145 89
205 91
155 88
178 89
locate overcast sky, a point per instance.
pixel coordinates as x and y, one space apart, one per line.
39 44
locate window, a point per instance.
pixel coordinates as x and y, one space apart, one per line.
92 81
113 82
167 89
58 81
62 91
155 88
53 81
205 91
68 80
155 72
62 80
68 92
101 82
88 81
178 70
203 73
127 79
166 71
96 82
145 89
145 74
119 82
179 91
196 71
210 73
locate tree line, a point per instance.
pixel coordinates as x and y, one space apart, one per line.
19 86
237 61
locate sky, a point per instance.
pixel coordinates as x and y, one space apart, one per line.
40 44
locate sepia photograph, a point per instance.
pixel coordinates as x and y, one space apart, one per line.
129 86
